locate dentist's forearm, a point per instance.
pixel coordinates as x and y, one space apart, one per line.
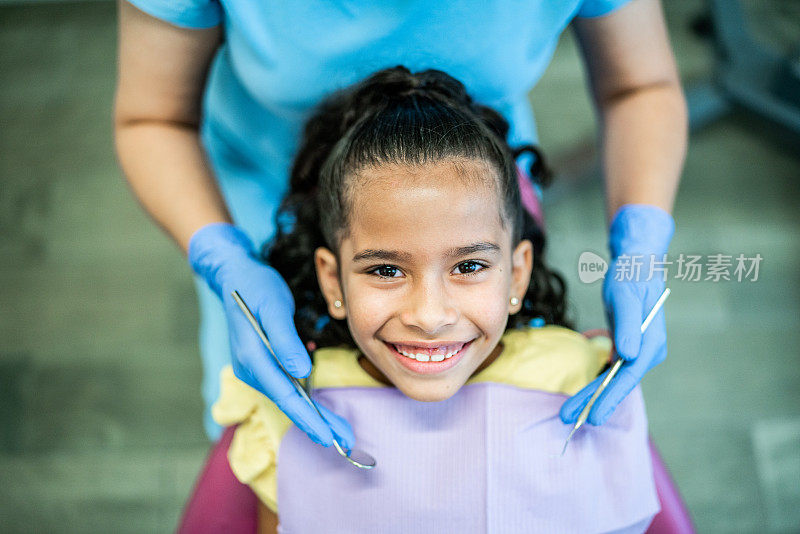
161 75
644 138
166 168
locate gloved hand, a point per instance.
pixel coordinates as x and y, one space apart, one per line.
639 233
224 256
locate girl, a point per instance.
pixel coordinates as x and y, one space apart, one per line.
416 272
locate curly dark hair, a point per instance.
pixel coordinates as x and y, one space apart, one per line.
396 116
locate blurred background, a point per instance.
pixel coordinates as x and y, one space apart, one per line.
100 408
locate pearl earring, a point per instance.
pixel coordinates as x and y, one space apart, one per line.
514 301
337 303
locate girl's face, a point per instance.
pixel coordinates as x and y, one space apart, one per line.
426 274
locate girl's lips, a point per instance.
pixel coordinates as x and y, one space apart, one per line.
430 366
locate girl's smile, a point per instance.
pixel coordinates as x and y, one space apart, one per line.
429 358
424 274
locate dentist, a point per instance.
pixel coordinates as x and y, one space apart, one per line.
211 96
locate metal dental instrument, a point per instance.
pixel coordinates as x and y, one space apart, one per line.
356 457
617 364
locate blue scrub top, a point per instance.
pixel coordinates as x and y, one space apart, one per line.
279 59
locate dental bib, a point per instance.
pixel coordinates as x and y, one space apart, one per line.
485 460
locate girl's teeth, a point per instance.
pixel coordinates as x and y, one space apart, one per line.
426 358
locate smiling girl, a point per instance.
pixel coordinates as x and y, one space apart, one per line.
416 272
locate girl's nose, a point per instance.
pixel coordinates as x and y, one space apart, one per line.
429 309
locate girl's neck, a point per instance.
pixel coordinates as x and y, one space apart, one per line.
375 373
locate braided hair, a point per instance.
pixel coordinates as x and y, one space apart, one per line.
395 116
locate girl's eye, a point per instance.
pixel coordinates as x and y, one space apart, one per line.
469 267
386 271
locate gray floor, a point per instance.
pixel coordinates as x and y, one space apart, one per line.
100 426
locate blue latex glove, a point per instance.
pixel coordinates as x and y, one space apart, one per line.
639 233
224 256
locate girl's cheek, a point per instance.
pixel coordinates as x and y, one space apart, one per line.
487 300
364 295
491 314
368 304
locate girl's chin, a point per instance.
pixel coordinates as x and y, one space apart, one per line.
428 393
423 388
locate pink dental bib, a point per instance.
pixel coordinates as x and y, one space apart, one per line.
487 460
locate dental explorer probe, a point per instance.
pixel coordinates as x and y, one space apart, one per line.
617 364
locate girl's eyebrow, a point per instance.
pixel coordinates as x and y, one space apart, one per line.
381 254
483 246
395 255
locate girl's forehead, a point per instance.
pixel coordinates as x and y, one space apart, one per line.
454 171
426 211
445 181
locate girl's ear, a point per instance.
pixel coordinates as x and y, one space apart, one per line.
521 268
328 278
